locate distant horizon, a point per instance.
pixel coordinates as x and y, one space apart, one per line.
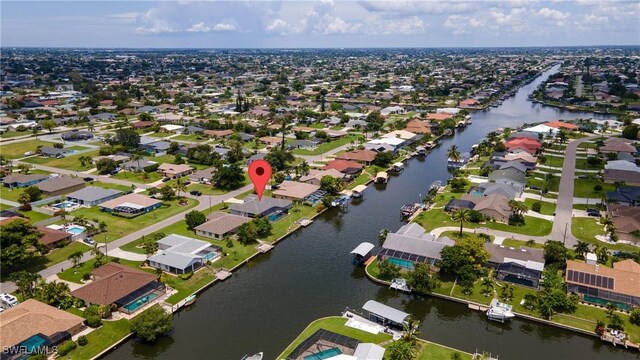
318 24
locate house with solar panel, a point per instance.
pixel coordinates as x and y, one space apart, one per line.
599 284
412 244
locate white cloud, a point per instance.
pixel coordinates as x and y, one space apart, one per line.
338 26
553 14
413 25
404 7
460 24
225 27
277 25
592 19
199 27
125 18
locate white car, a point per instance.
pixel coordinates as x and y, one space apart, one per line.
8 301
29 153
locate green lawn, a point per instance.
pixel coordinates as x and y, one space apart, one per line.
12 194
336 325
67 163
584 188
546 208
187 287
101 339
582 164
206 189
431 351
586 229
553 160
17 149
519 243
138 177
438 218
118 227
531 181
324 147
55 256
287 223
105 185
75 274
12 134
159 135
35 216
191 137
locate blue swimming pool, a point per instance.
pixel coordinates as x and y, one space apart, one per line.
324 354
133 306
75 230
65 204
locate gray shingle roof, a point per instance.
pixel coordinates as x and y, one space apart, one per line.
91 194
254 206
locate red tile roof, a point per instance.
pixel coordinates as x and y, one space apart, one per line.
561 125
358 155
51 236
342 165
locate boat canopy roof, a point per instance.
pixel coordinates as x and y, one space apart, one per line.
363 249
398 164
360 188
385 311
382 174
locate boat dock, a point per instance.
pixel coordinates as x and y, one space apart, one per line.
223 274
478 307
304 222
264 247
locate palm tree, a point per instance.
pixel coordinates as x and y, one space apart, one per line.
487 282
75 258
461 215
304 167
602 254
530 300
581 248
401 350
136 157
150 247
453 154
382 236
607 222
180 186
25 281
91 127
611 309
636 235
518 207
410 331
507 291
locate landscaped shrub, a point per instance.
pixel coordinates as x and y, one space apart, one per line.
536 206
86 276
186 276
82 340
151 168
94 321
475 216
634 318
66 348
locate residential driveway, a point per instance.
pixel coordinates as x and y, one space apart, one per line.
564 206
127 255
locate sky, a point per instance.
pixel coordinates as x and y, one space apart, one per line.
318 24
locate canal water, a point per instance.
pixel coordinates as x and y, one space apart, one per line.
268 302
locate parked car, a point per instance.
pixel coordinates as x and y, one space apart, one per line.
195 193
29 153
88 179
8 301
593 213
89 240
165 179
533 187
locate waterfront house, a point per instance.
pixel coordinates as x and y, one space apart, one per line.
405 135
90 196
626 220
494 206
314 176
21 180
625 195
60 185
600 284
53 238
418 127
32 322
509 176
220 224
521 266
344 166
365 157
455 204
293 190
562 125
412 244
121 287
130 205
179 254
489 188
269 207
174 170
394 143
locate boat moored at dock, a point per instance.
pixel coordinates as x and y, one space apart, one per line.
382 177
500 311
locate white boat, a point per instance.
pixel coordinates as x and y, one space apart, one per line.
400 284
500 311
257 356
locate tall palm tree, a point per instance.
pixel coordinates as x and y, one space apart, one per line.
453 153
461 215
487 283
136 157
518 207
410 331
75 258
304 167
507 291
581 248
180 186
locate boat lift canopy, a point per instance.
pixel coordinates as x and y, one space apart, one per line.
385 312
360 188
363 249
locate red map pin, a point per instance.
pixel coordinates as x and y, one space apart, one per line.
259 173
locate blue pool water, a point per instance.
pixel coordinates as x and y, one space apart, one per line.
325 354
140 302
75 230
477 193
65 204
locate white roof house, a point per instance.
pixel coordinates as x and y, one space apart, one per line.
452 111
180 254
402 134
172 127
621 165
542 129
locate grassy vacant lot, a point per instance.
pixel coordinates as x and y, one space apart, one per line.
553 160
582 164
159 135
431 350
138 177
67 163
12 134
533 226
187 287
35 216
546 208
12 194
584 188
531 181
192 137
55 256
324 147
118 227
105 185
17 149
336 325
101 339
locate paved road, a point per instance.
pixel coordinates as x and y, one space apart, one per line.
496 233
205 202
564 205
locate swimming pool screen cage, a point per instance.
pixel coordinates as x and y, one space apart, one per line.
319 336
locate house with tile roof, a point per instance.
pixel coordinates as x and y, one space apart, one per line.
600 284
220 224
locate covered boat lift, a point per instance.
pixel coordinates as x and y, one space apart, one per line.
384 314
362 252
358 191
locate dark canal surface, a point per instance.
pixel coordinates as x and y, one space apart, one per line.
266 304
